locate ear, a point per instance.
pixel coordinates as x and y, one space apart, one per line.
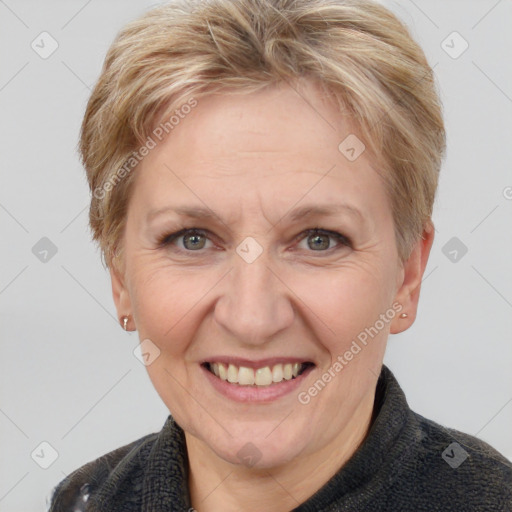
409 291
121 295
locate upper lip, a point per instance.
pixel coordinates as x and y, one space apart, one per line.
254 364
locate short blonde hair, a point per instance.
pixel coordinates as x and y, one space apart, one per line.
160 64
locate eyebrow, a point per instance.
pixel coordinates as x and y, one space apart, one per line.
295 215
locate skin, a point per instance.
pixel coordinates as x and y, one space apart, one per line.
251 159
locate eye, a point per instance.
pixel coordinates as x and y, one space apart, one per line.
193 239
318 239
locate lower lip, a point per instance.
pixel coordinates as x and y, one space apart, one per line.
260 394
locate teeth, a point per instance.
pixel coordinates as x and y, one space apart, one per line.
232 373
277 373
263 376
245 376
260 377
223 373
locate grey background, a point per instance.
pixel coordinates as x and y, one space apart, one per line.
68 375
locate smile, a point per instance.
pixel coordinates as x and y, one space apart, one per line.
262 377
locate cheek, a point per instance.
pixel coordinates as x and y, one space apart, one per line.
167 301
166 305
346 300
158 302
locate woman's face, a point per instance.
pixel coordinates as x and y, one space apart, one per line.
253 287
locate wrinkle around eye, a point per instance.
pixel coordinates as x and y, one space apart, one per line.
176 239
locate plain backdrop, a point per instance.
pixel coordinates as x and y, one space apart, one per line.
68 375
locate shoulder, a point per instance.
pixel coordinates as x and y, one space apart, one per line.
73 491
459 468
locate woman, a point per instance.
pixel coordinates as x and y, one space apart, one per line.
263 175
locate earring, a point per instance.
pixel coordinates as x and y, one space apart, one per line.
403 315
125 323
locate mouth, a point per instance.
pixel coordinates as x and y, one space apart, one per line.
264 376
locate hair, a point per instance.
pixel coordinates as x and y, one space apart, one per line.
360 52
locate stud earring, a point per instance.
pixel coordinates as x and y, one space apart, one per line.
125 323
404 315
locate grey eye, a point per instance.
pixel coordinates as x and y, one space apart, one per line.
187 239
194 240
318 241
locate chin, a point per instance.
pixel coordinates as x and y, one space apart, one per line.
256 448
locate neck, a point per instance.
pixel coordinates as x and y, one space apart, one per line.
215 484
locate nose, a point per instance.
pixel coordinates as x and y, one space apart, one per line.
255 302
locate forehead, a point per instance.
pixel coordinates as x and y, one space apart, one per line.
271 149
279 122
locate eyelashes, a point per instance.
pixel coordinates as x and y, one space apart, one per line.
170 238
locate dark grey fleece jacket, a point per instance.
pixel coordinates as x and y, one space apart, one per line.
406 463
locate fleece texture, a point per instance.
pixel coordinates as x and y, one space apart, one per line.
406 463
